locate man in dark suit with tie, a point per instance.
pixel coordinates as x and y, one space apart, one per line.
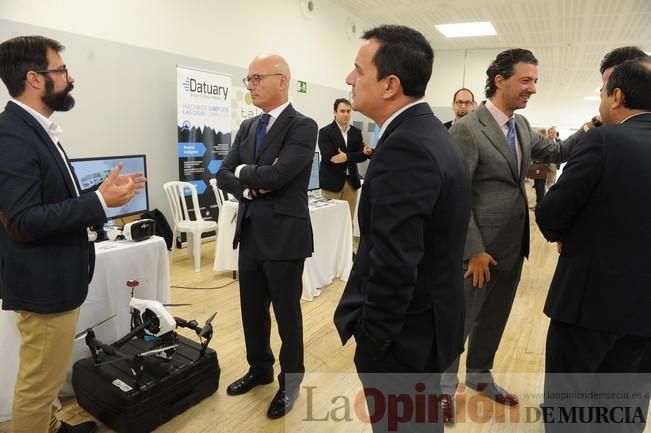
498 146
342 147
599 298
46 260
268 170
463 102
403 302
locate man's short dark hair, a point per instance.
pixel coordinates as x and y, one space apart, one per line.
619 56
633 78
504 65
403 52
454 98
22 54
341 101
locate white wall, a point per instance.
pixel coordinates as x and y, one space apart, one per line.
318 49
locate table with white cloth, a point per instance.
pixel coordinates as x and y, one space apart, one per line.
116 262
333 244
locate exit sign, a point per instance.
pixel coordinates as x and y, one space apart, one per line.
302 86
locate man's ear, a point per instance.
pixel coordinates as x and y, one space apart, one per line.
34 80
499 81
618 98
284 82
393 86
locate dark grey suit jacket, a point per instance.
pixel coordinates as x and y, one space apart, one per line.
280 219
499 221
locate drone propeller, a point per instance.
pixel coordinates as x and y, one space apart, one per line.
146 353
176 305
159 350
83 333
207 327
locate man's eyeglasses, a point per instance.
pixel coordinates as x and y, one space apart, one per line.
58 71
256 78
463 102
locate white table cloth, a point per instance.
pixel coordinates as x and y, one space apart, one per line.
333 244
146 261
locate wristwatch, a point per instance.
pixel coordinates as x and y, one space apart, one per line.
596 122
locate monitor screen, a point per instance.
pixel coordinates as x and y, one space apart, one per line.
92 171
314 174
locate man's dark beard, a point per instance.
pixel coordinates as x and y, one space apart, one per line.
62 101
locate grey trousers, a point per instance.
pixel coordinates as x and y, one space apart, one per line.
487 311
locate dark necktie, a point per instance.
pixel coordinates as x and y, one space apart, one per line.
511 139
260 134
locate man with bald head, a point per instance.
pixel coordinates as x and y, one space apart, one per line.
267 170
463 102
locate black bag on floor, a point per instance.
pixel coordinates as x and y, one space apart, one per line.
162 227
110 393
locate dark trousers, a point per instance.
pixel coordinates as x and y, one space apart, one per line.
539 186
394 390
487 311
279 283
588 370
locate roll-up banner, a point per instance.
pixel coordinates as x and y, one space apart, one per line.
204 130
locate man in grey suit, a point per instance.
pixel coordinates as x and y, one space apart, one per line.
498 146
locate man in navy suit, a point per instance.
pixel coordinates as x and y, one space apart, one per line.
342 147
268 170
403 302
46 259
599 299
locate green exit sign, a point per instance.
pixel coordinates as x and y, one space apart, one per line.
302 86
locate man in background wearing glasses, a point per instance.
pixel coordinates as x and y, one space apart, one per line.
268 170
463 102
46 259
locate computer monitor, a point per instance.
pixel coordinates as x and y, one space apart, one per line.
314 174
92 171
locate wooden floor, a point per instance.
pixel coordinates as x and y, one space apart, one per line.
330 385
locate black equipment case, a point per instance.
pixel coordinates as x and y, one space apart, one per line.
111 392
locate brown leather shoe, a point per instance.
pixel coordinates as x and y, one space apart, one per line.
495 393
447 408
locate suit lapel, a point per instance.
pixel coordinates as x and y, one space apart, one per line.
280 125
523 142
47 142
494 133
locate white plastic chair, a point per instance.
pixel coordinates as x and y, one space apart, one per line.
220 198
175 192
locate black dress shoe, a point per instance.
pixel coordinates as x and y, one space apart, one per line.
84 427
247 382
282 403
